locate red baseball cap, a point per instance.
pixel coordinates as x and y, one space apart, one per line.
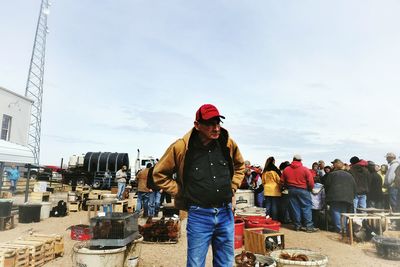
206 112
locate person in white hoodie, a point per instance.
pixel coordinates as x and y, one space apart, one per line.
389 182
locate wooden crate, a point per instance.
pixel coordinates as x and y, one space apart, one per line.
132 202
21 254
121 206
7 257
255 240
48 244
58 243
94 194
74 206
6 223
40 196
5 194
36 251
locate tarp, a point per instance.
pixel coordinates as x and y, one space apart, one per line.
14 153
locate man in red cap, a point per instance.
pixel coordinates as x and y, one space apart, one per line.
209 169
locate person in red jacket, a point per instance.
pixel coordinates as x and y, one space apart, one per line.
299 181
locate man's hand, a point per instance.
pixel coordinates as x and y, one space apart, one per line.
233 203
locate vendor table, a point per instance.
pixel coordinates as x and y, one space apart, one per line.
387 216
351 216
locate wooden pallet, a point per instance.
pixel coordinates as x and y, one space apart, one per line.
21 253
48 244
7 257
36 251
58 243
6 223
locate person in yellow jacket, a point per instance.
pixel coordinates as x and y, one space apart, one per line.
272 189
209 168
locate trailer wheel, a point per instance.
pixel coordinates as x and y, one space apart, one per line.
96 184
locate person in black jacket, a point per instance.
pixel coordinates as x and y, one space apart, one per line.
375 194
340 190
361 175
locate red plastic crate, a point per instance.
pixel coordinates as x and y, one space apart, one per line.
261 221
81 232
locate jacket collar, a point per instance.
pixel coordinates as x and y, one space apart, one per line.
223 137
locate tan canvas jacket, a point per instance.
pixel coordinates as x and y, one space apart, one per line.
173 162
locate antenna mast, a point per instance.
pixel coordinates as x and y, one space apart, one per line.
34 84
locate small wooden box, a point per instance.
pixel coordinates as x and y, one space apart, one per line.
6 223
114 190
6 194
94 194
121 206
40 196
74 206
256 240
132 202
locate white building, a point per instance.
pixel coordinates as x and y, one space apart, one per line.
15 115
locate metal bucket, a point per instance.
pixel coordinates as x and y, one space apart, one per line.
83 256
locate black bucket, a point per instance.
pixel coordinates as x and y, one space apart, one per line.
5 207
387 247
29 213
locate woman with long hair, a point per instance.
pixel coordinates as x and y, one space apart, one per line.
272 190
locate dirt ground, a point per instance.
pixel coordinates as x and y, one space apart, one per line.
171 255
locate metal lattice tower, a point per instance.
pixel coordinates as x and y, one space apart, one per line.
34 84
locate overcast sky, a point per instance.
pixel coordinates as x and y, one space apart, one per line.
319 78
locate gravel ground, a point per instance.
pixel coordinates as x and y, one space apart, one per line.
171 255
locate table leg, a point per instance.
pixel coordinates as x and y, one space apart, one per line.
88 212
341 225
351 230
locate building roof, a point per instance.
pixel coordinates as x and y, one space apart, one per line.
14 153
14 93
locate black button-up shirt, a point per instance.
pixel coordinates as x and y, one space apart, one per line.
208 180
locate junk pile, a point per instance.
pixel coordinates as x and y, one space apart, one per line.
162 230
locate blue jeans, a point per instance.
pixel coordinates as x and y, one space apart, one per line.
393 198
336 208
360 201
154 203
121 189
271 206
210 225
142 201
300 207
13 187
259 199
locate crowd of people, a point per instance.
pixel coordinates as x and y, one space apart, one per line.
297 194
